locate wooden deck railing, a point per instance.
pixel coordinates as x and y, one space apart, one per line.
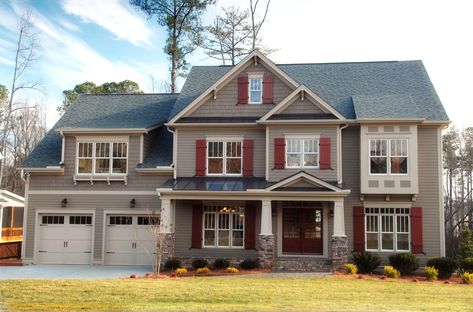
12 234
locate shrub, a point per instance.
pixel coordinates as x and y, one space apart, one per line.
389 271
405 263
199 263
350 268
366 262
465 243
249 264
431 273
232 270
467 278
221 264
203 270
445 265
180 271
172 264
467 265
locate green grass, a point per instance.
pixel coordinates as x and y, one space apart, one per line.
233 294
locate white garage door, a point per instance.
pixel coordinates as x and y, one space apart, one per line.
65 239
130 240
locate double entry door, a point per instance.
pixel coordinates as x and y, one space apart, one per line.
302 231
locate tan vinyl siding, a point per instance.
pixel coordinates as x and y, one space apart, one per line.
323 131
89 202
65 182
302 107
226 103
184 235
186 147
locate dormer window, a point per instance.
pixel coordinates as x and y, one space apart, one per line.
102 158
255 90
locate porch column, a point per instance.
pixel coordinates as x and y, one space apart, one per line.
266 236
339 238
166 229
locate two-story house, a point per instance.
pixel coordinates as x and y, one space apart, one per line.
294 164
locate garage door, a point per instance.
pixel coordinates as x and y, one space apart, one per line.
130 240
65 239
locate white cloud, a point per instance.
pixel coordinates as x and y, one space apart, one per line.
68 25
117 17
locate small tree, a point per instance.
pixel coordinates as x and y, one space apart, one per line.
465 243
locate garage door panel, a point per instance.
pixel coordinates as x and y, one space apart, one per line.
83 232
51 245
145 259
119 258
50 257
121 232
52 232
77 257
119 246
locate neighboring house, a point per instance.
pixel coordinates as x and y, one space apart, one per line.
294 164
11 219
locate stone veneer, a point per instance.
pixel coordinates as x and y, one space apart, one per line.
168 247
266 250
339 251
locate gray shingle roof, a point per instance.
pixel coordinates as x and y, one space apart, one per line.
400 106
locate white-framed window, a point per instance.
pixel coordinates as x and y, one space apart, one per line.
224 157
255 89
102 158
388 156
302 152
387 229
223 226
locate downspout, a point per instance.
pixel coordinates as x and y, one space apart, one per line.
340 165
25 212
62 147
174 151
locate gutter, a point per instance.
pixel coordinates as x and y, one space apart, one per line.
340 158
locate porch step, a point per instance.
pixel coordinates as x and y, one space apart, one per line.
11 262
302 264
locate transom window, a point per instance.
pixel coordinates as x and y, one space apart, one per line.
388 156
52 220
223 226
86 220
255 90
148 220
387 229
302 153
102 157
224 157
121 220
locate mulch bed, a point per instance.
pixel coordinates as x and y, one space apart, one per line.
171 274
416 278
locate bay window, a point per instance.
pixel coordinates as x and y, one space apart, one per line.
102 158
302 152
387 229
224 157
223 226
388 156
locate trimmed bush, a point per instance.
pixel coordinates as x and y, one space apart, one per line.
199 263
405 263
203 270
445 265
366 262
221 264
172 264
431 273
467 265
181 271
351 269
389 271
232 270
249 264
467 278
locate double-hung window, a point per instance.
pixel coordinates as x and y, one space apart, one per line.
223 226
102 157
224 157
387 229
255 90
302 152
388 156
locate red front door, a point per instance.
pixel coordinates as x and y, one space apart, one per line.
302 231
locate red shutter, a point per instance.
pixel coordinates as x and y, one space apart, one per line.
416 230
279 153
243 90
267 89
250 223
200 149
197 226
247 158
324 153
359 229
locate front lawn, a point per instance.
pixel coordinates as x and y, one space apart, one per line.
234 294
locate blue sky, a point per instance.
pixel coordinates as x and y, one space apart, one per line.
108 40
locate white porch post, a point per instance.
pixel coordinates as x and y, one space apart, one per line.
338 218
166 216
266 219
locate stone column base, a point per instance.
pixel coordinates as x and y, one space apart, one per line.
339 251
266 251
167 248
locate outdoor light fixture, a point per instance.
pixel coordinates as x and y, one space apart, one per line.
132 203
64 203
330 212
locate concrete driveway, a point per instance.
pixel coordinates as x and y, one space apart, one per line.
86 272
